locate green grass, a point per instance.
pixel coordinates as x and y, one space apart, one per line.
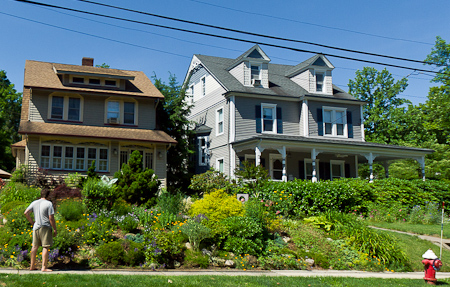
415 247
205 280
433 230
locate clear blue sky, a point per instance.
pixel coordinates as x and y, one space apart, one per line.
343 24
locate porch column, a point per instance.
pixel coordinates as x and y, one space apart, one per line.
386 168
313 158
421 161
258 151
282 151
370 159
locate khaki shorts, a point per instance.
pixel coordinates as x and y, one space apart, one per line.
43 237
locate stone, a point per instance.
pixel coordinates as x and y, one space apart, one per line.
188 246
206 252
176 264
252 259
229 263
286 239
309 261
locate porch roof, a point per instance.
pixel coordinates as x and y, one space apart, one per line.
381 152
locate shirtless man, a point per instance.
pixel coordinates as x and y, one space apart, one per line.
42 228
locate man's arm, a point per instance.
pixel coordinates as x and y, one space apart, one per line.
28 216
53 223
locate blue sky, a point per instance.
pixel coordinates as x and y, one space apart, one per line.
398 28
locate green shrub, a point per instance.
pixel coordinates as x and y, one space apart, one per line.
134 184
74 180
164 247
10 205
71 209
128 222
98 229
196 259
15 191
255 209
16 220
196 232
134 253
170 203
69 237
111 253
210 180
121 207
138 238
20 174
280 262
217 205
251 177
243 235
98 195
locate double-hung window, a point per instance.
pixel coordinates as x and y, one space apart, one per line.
128 113
66 108
337 169
319 82
92 156
309 168
219 121
203 150
57 157
255 71
113 111
80 158
334 120
121 112
45 156
68 157
269 118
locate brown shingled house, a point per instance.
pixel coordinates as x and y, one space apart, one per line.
73 115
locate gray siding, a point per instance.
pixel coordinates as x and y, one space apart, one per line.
356 115
245 116
303 79
265 75
238 72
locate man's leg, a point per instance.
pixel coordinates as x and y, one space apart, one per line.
33 257
45 260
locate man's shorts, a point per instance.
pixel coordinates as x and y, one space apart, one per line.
43 237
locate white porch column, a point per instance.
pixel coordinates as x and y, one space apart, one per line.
313 158
282 151
258 151
370 157
421 161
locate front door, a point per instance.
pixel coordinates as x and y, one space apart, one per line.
276 167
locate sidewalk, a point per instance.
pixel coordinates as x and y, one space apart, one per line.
273 273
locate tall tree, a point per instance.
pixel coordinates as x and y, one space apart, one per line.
384 107
10 104
437 107
172 118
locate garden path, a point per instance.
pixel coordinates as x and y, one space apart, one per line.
433 239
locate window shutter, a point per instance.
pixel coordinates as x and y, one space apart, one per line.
279 121
301 169
258 118
319 122
349 124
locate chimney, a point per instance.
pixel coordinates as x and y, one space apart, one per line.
87 61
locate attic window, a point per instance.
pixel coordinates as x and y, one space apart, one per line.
255 72
94 81
110 83
319 82
78 80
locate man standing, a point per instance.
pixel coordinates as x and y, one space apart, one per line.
42 228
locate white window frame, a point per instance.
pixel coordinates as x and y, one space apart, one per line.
323 73
333 111
192 91
148 156
218 122
218 164
341 164
203 151
309 161
65 115
203 85
259 65
121 117
50 159
274 117
272 158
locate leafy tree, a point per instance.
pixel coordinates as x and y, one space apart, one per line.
172 117
210 180
136 185
383 108
104 65
10 105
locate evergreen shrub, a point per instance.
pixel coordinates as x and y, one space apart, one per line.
217 205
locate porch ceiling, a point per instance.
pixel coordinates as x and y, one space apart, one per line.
342 148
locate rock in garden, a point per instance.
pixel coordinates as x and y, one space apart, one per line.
309 261
206 252
286 239
176 264
229 263
188 246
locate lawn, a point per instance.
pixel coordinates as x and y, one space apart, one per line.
426 229
206 280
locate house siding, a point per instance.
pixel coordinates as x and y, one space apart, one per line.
312 117
245 116
303 79
238 72
265 75
328 83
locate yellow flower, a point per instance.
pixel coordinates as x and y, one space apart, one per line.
12 256
13 220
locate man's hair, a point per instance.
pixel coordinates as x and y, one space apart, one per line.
45 192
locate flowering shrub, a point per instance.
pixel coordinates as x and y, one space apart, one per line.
163 248
128 222
217 205
428 214
97 230
16 220
98 195
196 232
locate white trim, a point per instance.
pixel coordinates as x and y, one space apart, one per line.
259 65
341 164
203 153
232 117
121 117
272 158
274 118
363 136
218 133
65 115
333 122
203 85
305 114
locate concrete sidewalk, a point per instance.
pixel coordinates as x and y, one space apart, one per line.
272 273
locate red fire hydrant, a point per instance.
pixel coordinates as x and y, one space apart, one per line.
432 264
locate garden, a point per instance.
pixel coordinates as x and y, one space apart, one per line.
130 222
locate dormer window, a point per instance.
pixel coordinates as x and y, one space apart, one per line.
255 72
78 80
94 81
111 83
319 82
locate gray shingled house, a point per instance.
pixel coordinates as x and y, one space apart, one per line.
290 119
72 115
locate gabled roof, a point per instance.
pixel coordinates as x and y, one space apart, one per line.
126 134
318 60
279 84
44 75
254 53
4 174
